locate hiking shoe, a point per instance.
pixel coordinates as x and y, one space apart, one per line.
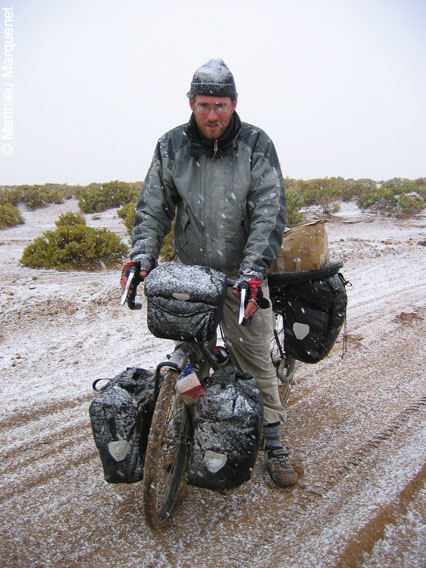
279 467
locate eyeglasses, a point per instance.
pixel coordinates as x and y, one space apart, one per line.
218 108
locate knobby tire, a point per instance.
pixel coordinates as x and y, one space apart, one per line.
165 460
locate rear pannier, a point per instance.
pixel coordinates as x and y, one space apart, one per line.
314 307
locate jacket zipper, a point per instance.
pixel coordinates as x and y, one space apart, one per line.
215 149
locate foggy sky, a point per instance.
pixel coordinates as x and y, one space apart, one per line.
340 86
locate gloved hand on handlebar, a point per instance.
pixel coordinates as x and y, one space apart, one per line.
254 295
139 276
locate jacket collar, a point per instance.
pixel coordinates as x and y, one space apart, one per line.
200 145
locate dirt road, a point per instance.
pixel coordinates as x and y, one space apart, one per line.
356 425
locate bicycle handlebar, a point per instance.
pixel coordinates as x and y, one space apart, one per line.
126 297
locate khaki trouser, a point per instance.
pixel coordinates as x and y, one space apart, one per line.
250 347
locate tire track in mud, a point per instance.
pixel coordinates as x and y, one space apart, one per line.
37 412
364 540
66 441
56 472
356 459
60 437
357 496
363 302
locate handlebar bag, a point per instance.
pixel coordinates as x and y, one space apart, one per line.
120 416
185 303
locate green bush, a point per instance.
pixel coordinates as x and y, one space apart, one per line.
314 190
395 197
11 196
73 247
36 197
294 202
379 200
352 188
411 204
10 216
400 185
70 219
420 187
127 213
100 197
326 197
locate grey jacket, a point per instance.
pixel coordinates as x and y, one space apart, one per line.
228 196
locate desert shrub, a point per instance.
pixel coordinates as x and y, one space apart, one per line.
70 219
11 196
72 247
100 197
351 189
127 213
315 190
10 216
379 200
326 197
385 201
399 185
411 204
36 197
422 191
292 184
294 202
420 187
396 197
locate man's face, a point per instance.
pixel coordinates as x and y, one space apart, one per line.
212 114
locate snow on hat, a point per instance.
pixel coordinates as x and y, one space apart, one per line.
213 79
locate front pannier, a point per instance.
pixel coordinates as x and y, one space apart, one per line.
121 415
227 431
184 302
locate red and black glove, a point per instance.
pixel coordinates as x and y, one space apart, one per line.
135 268
254 294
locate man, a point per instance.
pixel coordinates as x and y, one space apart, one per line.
222 178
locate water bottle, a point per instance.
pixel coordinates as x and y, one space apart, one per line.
189 386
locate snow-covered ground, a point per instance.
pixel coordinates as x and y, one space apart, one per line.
356 425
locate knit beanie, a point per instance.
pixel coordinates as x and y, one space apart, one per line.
213 79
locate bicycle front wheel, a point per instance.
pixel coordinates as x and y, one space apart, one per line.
165 460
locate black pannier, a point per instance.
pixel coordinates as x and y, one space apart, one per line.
227 431
184 302
314 307
121 417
